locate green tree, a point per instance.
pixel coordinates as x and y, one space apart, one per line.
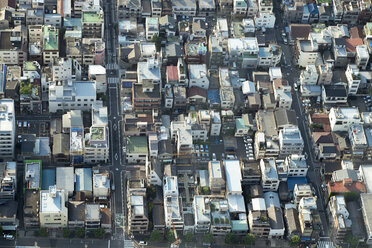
66 233
99 233
155 236
295 240
80 232
170 236
189 237
207 238
249 239
1 230
43 232
157 40
229 238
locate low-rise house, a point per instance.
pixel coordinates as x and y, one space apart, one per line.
342 118
296 165
341 224
198 76
334 94
300 191
291 220
187 8
275 215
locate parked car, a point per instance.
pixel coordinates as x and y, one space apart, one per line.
8 237
201 148
214 158
20 124
25 124
143 243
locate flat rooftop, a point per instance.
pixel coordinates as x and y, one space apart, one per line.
137 144
91 17
32 173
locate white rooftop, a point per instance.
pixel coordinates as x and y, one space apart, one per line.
97 70
7 117
258 204
236 203
137 203
233 176
52 200
197 71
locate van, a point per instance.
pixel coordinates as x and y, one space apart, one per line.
8 237
113 187
25 124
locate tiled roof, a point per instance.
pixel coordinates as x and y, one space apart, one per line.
346 186
351 44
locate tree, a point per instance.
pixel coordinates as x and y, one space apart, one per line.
157 40
229 238
155 236
207 238
1 230
80 233
99 233
66 233
170 236
295 240
249 239
43 232
189 237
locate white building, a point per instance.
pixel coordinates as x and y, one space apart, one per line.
353 79
309 76
202 214
53 210
342 118
233 176
149 71
97 140
270 179
325 74
172 210
153 145
69 95
362 57
240 7
7 128
66 69
101 185
198 76
252 8
290 141
184 8
265 20
243 51
307 52
296 165
300 191
98 73
54 20
269 56
152 27
366 202
227 97
215 123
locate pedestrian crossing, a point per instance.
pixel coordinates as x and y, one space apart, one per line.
112 80
112 66
325 244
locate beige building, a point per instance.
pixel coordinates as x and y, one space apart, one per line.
53 210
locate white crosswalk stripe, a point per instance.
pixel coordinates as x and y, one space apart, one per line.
112 80
112 66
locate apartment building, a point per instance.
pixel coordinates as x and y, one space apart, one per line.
50 44
358 140
185 8
129 8
152 27
7 128
202 212
172 209
137 210
300 191
198 76
53 211
220 217
270 178
92 24
342 118
243 51
306 52
258 219
325 74
340 222
309 76
68 95
362 57
137 149
296 165
217 182
290 141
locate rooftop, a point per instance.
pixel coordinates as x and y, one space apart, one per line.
233 175
50 38
137 144
52 200
91 17
7 112
32 173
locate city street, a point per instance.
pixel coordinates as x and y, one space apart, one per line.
292 74
117 167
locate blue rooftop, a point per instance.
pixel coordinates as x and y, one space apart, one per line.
214 97
313 9
48 178
127 84
292 181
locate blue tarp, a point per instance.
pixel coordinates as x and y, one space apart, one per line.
292 181
48 178
214 97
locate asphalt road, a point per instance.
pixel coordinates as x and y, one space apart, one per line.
291 73
117 167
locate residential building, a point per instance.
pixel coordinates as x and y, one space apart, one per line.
291 220
362 57
358 140
68 95
300 191
8 180
53 211
129 8
243 51
366 201
325 74
172 209
269 56
306 52
198 76
240 7
98 73
290 141
101 184
137 149
217 182
243 125
233 176
220 218
275 215
309 76
92 216
7 128
152 27
63 179
342 118
296 165
187 8
92 24
258 219
137 210
32 174
270 179
353 79
334 94
340 222
202 214
50 44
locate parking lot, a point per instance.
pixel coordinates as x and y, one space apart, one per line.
40 128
